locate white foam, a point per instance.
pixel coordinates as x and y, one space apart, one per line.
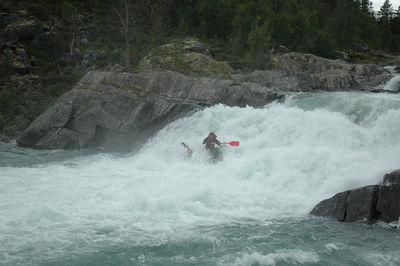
288 160
390 259
393 84
289 256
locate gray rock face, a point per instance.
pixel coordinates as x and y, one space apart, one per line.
117 110
334 207
307 72
361 204
388 205
369 203
392 178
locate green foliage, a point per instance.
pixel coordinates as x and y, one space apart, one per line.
259 43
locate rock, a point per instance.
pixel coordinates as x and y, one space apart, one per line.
342 55
382 54
388 205
334 207
280 50
22 56
21 68
19 63
359 47
361 204
189 57
392 178
4 138
276 79
192 45
369 203
120 110
395 61
306 72
20 30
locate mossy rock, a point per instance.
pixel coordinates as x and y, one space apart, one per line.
20 30
188 57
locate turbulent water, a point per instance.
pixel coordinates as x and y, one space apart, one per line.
160 207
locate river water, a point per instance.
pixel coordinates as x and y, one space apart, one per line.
158 206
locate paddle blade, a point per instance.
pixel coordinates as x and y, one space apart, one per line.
234 143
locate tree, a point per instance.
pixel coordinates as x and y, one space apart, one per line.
395 25
70 13
366 6
385 14
125 27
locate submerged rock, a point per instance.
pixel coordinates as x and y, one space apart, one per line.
117 110
369 203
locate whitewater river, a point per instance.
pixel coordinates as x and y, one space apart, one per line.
159 207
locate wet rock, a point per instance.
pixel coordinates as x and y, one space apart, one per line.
388 205
369 203
334 207
129 107
392 178
361 204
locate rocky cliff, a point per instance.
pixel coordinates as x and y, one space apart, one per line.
307 72
118 110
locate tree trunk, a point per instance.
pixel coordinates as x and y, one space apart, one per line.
125 27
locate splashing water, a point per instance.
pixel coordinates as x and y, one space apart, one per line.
160 207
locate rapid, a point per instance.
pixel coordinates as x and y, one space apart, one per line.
158 206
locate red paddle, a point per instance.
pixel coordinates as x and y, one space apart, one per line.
232 143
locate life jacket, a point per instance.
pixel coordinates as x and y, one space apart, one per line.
210 141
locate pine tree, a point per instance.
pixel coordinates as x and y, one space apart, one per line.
366 6
385 14
395 24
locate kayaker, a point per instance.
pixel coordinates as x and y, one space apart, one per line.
210 141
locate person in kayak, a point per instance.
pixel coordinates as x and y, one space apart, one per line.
210 142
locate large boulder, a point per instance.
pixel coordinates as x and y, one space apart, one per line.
189 57
392 178
388 205
361 204
389 195
117 110
369 203
307 72
334 207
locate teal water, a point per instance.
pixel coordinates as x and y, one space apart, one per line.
159 207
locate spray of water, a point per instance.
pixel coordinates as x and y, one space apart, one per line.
290 157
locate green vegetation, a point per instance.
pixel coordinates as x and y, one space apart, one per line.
46 46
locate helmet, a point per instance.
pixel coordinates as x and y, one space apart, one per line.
212 134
